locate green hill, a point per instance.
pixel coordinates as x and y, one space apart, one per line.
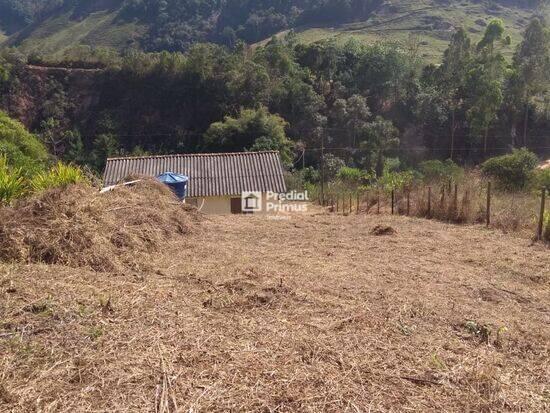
426 25
51 27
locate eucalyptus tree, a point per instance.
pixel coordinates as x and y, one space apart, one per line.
531 65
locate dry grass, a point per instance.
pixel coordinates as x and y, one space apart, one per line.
79 226
313 314
511 212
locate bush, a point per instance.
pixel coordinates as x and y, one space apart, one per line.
12 183
353 177
396 180
435 170
21 148
542 179
60 175
513 171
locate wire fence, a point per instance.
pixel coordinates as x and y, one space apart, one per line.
526 213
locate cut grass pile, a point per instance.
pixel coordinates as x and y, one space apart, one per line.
312 314
78 226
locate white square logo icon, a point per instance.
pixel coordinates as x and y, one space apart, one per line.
251 201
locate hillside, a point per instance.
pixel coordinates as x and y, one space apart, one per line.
426 25
53 26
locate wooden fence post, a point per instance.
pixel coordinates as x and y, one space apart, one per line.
350 203
408 202
337 203
392 200
488 218
456 197
378 201
541 217
429 202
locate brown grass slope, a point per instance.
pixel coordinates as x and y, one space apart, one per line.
315 314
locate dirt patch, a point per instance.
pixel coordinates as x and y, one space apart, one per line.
79 227
381 230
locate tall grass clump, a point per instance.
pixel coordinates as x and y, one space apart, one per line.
12 182
59 176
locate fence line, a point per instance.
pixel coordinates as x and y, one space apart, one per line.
418 201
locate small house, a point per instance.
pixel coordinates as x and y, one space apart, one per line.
219 183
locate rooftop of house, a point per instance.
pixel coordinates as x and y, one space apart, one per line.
210 174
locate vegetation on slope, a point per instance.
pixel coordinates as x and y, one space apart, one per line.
362 103
52 26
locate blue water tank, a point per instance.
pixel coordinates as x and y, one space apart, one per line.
178 183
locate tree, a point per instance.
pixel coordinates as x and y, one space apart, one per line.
484 82
493 33
456 60
254 129
532 66
105 146
485 100
379 137
349 117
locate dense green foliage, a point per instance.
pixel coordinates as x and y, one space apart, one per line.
176 24
254 130
437 171
359 104
21 149
513 171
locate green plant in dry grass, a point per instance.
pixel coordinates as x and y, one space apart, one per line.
12 182
396 180
437 171
95 332
59 176
482 332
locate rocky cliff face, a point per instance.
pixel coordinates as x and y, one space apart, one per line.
42 92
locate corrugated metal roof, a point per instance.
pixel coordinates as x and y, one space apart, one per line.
212 174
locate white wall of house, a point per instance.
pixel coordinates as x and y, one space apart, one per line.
220 205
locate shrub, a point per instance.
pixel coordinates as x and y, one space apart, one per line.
435 170
60 175
353 177
542 179
396 180
12 183
21 148
513 171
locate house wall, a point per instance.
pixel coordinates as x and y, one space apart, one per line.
220 205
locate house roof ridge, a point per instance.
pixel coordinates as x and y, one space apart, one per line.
176 155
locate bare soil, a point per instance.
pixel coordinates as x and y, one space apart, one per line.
312 314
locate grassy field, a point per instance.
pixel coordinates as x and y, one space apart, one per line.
57 34
430 22
311 314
